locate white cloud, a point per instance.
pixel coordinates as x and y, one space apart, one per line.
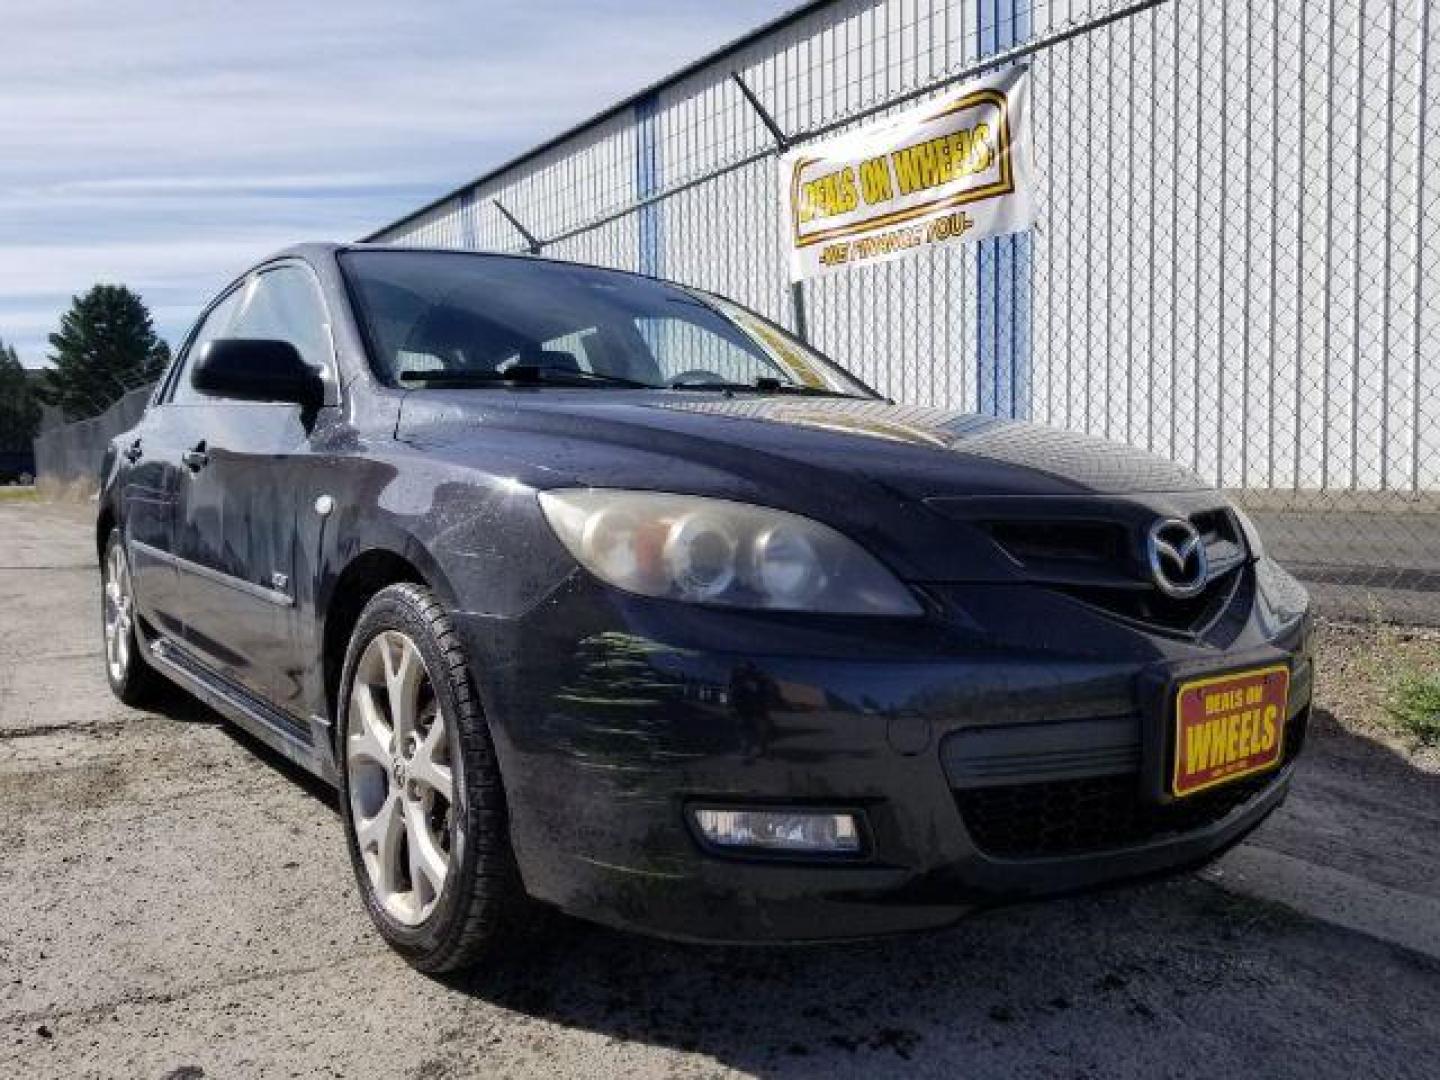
46 269
216 184
167 143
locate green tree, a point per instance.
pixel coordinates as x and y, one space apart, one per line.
106 346
19 410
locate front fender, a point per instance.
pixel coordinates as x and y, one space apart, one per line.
480 540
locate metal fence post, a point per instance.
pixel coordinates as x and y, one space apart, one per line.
782 143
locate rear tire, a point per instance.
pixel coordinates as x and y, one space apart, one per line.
130 676
424 809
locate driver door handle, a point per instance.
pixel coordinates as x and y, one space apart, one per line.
196 458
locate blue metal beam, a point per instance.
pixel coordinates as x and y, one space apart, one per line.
648 182
1003 263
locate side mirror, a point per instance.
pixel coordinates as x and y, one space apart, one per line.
257 369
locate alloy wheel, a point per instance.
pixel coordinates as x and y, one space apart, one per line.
119 614
401 781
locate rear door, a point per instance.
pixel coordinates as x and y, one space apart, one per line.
236 531
154 485
152 461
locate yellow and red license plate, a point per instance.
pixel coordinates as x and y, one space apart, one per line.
1227 727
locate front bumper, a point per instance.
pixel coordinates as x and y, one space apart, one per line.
613 714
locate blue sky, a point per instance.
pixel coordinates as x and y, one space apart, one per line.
165 144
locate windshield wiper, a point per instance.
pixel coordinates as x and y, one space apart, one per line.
764 384
520 375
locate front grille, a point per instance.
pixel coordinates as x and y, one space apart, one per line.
1101 813
1153 608
1040 542
1100 563
1216 527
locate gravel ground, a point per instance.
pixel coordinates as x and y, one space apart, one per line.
176 902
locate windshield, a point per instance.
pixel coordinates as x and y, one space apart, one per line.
451 318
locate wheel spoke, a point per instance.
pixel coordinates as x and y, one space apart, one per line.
371 739
427 861
403 669
379 838
429 766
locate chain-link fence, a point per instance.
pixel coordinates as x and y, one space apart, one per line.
68 456
68 453
1233 266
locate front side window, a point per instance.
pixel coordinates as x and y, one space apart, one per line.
284 304
215 324
280 304
432 314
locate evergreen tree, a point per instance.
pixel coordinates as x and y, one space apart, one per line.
106 346
19 410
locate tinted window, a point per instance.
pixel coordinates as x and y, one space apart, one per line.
430 311
214 325
682 348
284 304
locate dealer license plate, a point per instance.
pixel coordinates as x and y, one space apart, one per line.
1227 727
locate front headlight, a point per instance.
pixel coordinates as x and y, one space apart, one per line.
712 551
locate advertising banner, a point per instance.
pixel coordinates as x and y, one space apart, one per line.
957 168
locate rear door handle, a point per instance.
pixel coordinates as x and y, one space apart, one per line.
196 458
134 452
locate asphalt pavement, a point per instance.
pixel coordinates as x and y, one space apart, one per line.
1359 562
176 902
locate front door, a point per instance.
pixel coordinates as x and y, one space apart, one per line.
235 533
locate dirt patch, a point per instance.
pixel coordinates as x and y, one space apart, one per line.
50 489
1360 669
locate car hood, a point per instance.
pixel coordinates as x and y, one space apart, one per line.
615 438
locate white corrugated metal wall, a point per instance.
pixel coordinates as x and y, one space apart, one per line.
1234 261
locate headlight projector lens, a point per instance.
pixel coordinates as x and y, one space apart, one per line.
715 551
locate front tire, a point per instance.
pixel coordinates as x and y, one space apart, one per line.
424 810
131 678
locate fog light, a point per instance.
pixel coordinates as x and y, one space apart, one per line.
805 832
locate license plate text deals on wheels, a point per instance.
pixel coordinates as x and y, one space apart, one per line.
1228 727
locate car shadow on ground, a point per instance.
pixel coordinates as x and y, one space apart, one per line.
1360 806
1150 980
1172 977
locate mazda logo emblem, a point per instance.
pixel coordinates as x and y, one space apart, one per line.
1176 555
